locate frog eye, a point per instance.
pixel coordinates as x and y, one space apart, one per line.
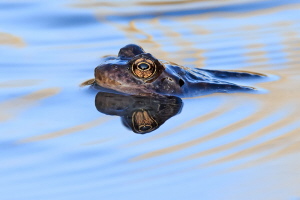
143 68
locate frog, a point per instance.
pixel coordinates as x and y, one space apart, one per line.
136 72
140 114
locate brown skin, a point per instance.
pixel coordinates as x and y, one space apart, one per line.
134 71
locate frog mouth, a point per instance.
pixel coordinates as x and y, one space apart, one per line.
143 122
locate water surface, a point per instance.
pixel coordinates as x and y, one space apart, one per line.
56 145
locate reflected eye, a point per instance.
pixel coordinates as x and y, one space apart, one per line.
143 68
144 128
142 121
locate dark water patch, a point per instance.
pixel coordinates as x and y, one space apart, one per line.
237 8
8 6
59 20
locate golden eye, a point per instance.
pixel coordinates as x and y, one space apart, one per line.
143 68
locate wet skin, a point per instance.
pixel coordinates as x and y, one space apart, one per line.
136 72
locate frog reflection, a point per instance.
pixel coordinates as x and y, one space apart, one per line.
141 114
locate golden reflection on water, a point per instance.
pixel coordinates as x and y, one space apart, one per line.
94 4
141 37
152 44
278 141
11 108
11 40
19 83
116 4
252 119
268 11
159 3
280 146
193 122
281 98
67 131
181 41
220 141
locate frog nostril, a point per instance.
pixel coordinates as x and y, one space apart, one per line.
181 82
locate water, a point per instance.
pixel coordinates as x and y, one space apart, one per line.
56 145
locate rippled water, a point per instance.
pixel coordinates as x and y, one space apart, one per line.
56 145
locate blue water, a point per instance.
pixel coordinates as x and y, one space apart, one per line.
56 145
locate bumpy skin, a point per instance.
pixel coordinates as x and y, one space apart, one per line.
123 74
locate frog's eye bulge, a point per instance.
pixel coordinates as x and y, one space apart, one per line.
143 68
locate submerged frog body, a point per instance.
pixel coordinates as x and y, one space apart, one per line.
136 72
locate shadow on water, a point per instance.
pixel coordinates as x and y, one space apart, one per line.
141 114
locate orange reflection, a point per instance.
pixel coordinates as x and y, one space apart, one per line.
11 40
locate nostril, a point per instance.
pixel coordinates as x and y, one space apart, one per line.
181 82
